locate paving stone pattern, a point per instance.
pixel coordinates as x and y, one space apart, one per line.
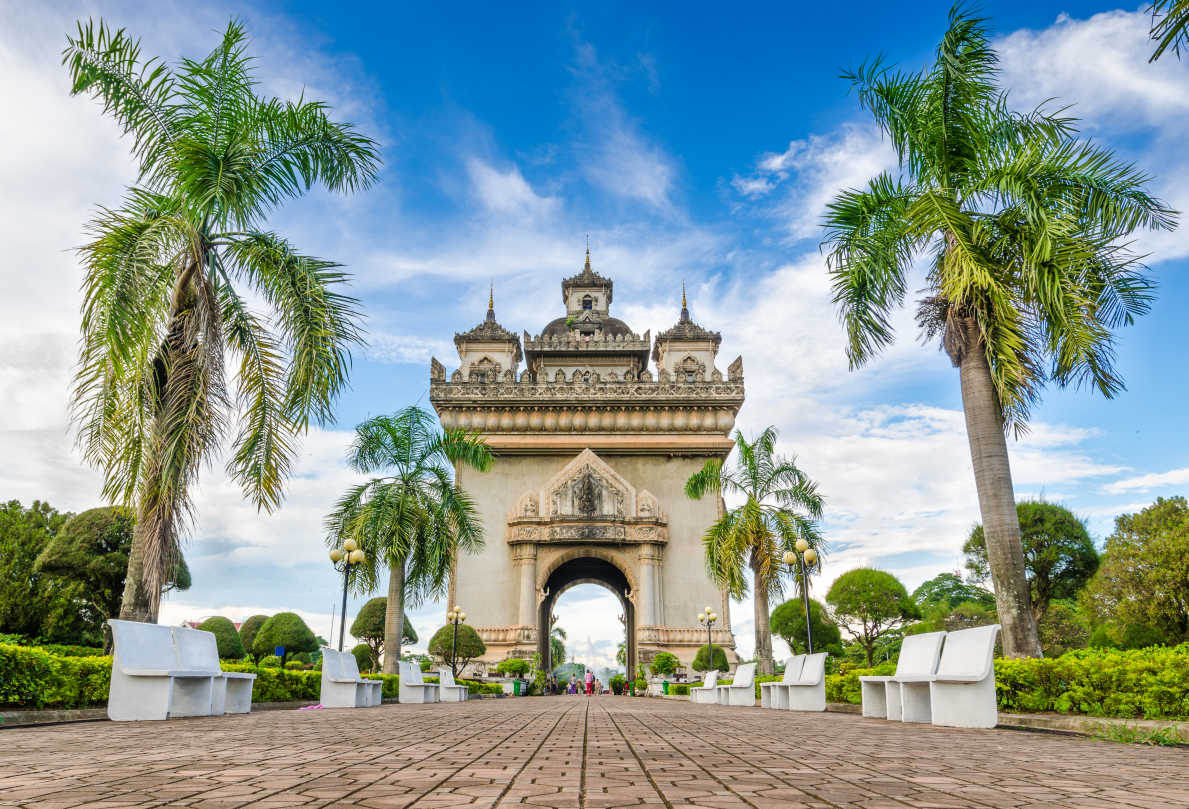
579 752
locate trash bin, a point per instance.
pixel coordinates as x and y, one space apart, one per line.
516 688
665 688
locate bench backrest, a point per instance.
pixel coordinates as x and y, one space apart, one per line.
197 649
143 646
814 669
711 679
410 674
446 678
792 668
330 663
745 675
919 654
349 666
969 653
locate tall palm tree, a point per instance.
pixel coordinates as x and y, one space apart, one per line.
1023 228
168 273
413 520
557 646
780 505
1170 27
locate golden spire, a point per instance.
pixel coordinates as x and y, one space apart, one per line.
491 296
587 267
683 306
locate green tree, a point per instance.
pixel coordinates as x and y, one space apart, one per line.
284 629
557 645
168 276
365 657
949 588
1023 228
1142 586
1170 26
703 660
664 663
1059 555
869 604
414 520
1063 628
91 549
248 631
513 667
780 506
788 622
230 645
30 599
368 626
456 654
621 653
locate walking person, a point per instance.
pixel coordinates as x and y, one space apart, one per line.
573 684
589 682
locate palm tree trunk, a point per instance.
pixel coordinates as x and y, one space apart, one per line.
764 662
996 498
136 604
394 617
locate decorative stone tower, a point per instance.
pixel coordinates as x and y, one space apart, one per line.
592 455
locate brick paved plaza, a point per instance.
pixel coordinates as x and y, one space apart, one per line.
573 752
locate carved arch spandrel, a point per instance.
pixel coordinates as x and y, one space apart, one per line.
550 562
588 461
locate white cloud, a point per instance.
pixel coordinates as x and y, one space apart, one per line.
1155 480
507 192
405 349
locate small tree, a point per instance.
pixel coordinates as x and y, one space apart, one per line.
1059 556
788 622
664 663
868 604
284 629
247 634
513 667
368 626
230 645
467 647
949 588
365 657
702 661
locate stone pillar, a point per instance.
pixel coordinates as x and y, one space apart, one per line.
650 560
524 556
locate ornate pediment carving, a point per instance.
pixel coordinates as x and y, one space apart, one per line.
588 488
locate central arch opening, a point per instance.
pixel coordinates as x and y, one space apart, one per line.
585 608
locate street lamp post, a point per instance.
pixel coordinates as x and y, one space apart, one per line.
455 616
804 555
350 554
708 617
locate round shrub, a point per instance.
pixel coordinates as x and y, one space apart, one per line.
513 667
230 645
468 646
270 662
284 629
248 630
295 665
363 657
701 659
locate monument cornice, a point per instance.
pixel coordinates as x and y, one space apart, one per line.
626 393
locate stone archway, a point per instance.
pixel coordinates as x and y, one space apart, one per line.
582 568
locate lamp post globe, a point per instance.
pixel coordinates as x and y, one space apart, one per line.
336 555
350 554
810 556
790 557
350 545
805 555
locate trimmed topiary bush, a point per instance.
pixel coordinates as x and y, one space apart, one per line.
270 662
513 667
664 663
701 659
284 629
364 657
247 634
230 645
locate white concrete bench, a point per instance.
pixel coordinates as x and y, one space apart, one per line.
963 689
342 686
146 680
199 649
882 695
776 695
413 687
808 691
742 690
706 692
448 690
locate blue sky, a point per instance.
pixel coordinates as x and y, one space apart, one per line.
691 145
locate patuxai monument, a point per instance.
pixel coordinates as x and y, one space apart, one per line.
595 435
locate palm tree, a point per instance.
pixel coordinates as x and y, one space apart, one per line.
413 520
780 505
557 646
1027 275
167 275
1170 26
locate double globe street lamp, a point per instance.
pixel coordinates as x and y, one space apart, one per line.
708 617
348 555
455 616
802 557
